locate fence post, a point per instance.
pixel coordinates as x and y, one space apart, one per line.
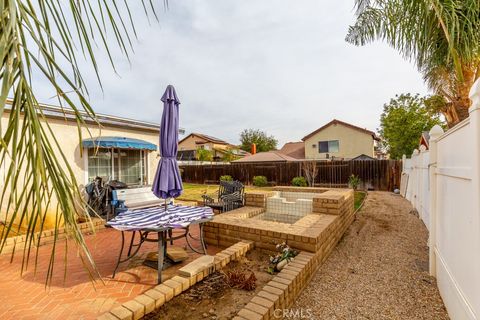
435 133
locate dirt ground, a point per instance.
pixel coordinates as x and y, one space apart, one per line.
213 298
379 270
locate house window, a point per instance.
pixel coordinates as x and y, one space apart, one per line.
328 146
126 165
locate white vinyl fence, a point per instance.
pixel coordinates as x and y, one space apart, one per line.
443 184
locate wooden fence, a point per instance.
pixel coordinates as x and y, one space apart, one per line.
375 174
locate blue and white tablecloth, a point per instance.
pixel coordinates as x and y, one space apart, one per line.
176 216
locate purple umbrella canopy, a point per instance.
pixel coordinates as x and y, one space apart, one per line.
167 182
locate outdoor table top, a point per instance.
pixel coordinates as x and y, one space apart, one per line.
157 219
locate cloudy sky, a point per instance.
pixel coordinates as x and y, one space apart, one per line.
279 66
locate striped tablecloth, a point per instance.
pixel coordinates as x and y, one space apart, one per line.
156 218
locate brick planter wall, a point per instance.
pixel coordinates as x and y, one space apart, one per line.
315 232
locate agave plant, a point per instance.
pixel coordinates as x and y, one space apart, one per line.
440 36
42 39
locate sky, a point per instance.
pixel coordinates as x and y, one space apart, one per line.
276 65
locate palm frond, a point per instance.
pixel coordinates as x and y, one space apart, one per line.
43 40
440 36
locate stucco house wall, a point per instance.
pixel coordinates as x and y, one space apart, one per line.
66 133
352 142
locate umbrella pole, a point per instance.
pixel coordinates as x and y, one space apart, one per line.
161 253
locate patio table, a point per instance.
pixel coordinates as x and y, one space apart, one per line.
159 221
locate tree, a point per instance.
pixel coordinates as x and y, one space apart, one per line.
402 122
440 36
42 39
204 155
310 171
260 138
229 155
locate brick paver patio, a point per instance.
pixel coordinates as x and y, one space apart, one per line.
26 297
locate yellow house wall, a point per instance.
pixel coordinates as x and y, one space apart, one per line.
352 143
67 135
189 143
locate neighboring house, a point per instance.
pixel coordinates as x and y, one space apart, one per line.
267 156
339 140
294 149
189 145
363 157
425 139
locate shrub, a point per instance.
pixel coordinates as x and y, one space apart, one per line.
226 178
204 155
354 181
299 182
260 181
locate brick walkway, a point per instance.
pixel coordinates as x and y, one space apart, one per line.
25 297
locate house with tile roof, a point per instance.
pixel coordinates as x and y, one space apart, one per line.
188 146
294 149
267 156
339 140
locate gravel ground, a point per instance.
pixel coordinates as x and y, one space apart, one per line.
379 270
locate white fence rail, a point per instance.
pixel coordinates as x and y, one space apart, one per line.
443 184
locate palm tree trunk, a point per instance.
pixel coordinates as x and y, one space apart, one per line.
457 110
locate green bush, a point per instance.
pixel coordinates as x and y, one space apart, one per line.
260 181
226 178
204 155
354 181
299 182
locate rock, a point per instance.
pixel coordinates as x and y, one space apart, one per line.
211 311
205 315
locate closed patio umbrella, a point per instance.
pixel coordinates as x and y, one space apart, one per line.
167 182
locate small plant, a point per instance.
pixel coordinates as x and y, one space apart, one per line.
299 182
260 181
226 178
241 279
284 255
354 182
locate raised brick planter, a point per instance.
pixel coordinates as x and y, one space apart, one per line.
282 290
333 212
187 276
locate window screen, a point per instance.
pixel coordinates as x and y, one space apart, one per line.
328 146
333 146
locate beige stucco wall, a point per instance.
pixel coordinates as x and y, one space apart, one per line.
352 142
67 135
189 143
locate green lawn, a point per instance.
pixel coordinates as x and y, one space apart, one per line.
192 191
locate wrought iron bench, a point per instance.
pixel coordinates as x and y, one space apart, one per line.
230 196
